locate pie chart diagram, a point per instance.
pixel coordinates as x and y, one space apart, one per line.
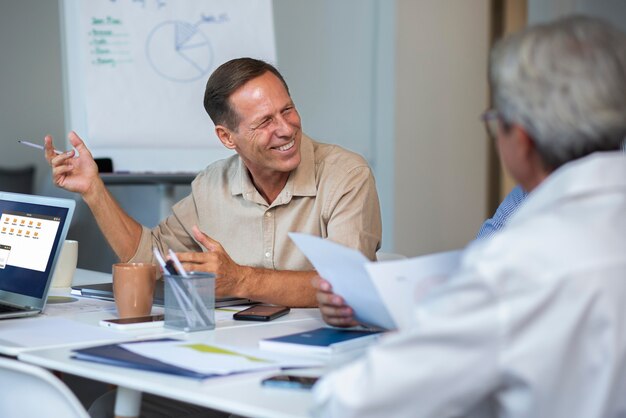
178 51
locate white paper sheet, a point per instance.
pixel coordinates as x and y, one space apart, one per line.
216 358
79 306
381 293
403 283
41 331
345 269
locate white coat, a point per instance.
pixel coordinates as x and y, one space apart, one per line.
533 325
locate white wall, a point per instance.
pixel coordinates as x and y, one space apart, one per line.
441 146
31 92
338 59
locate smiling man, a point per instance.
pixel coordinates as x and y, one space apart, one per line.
236 219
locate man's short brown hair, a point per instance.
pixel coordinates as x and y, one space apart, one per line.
227 78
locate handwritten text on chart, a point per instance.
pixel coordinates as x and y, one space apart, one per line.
109 43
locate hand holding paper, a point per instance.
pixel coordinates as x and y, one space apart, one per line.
333 308
344 268
380 293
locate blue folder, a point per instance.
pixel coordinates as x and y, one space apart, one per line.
321 340
114 355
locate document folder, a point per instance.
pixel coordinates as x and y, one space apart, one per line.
114 355
321 341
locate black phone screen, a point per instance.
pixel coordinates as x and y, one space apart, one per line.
137 319
261 313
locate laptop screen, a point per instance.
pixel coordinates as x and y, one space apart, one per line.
29 236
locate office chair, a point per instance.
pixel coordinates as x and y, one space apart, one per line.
17 180
382 256
31 392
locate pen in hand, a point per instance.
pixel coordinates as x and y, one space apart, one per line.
30 144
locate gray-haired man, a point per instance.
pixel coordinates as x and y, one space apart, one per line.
534 322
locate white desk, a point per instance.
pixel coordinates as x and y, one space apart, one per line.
83 312
240 394
88 312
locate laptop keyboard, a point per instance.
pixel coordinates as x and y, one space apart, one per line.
6 308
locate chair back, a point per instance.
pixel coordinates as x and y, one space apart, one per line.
17 180
31 392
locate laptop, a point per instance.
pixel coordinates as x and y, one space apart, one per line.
32 231
105 291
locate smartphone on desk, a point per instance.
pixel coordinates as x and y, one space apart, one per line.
148 321
261 313
290 381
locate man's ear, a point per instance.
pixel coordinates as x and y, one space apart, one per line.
225 135
530 168
526 145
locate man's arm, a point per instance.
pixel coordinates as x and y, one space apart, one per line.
288 288
80 175
279 287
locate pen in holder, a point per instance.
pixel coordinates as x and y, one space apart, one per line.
190 301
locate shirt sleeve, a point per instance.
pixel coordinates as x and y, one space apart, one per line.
174 232
353 213
508 207
446 366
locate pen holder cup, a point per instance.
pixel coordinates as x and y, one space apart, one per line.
190 302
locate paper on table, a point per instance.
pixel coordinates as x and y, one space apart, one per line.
80 306
214 358
345 269
403 283
38 332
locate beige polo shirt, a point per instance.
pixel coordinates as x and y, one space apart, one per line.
331 194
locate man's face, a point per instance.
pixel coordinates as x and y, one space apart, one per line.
269 132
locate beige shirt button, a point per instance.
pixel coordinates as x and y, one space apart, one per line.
268 254
268 214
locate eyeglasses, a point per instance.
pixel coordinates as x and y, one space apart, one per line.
492 120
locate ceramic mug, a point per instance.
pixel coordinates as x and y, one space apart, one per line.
66 264
133 288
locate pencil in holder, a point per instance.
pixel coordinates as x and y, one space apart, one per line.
190 301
